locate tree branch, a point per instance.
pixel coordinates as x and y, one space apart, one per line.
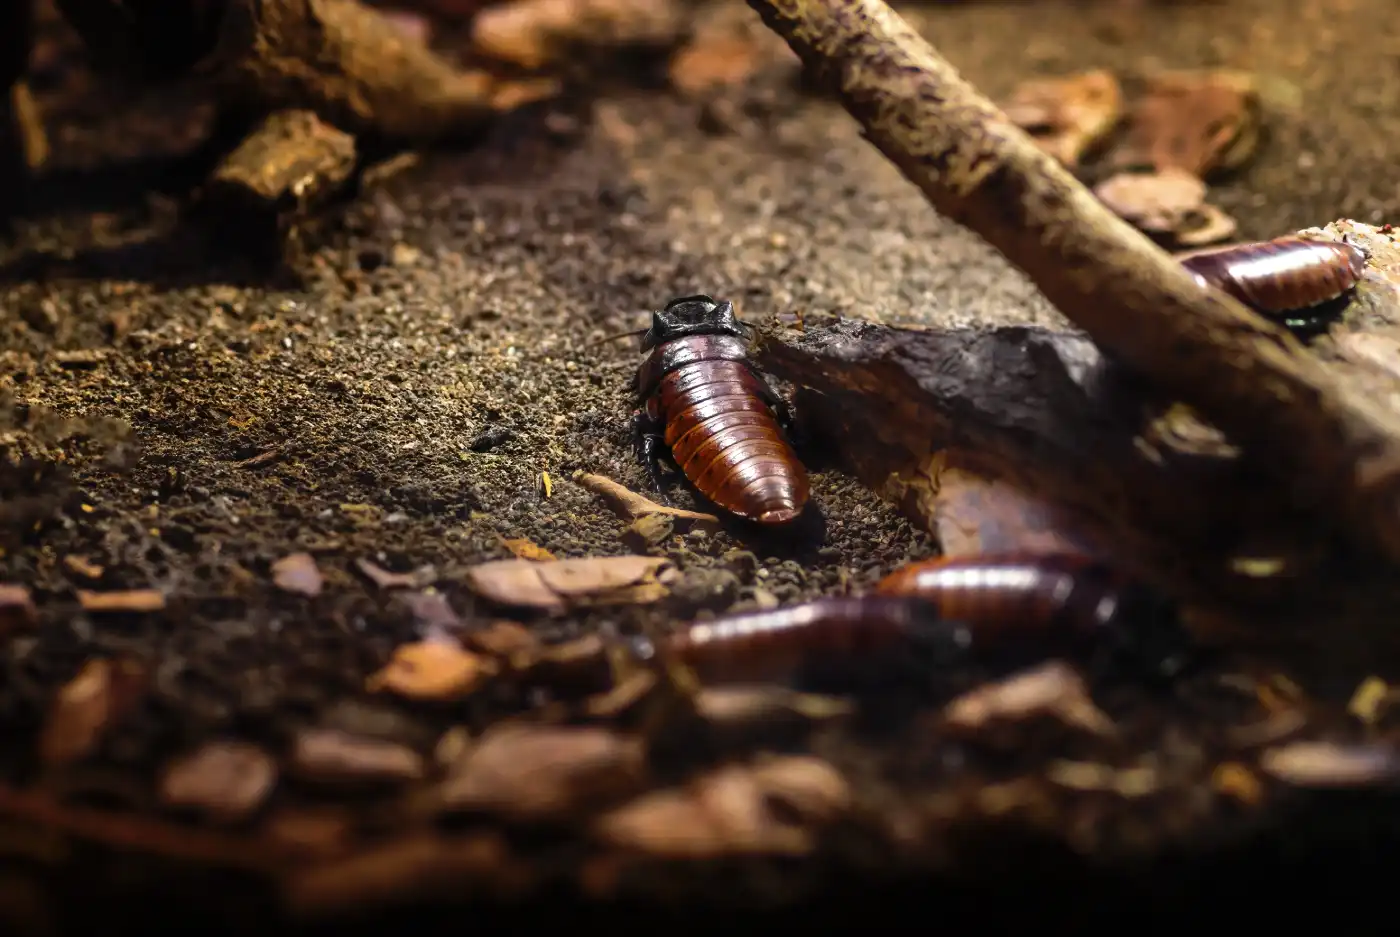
1339 450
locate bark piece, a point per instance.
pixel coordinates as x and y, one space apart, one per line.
1069 117
1339 450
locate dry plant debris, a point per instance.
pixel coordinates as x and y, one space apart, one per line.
333 757
727 45
102 694
1170 204
1328 764
602 580
431 670
1054 689
1195 122
1069 117
297 572
534 34
537 773
631 505
226 781
121 600
387 579
527 549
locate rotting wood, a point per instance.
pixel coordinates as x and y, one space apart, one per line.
1338 449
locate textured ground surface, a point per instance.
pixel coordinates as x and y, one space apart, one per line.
436 364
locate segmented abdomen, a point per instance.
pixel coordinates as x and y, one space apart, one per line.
726 440
1282 275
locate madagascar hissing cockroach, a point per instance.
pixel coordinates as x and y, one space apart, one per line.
1014 598
1280 276
700 398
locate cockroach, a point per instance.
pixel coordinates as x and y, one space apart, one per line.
1280 276
1011 598
701 399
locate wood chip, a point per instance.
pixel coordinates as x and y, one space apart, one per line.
384 579
329 756
431 670
102 694
603 580
1068 117
630 505
1053 689
530 772
17 609
129 600
224 780
1330 765
298 573
81 566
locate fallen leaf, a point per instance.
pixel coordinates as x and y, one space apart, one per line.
298 573
433 613
535 33
727 812
807 787
532 772
225 780
82 567
102 694
16 609
1327 764
1193 121
1371 698
431 670
1054 689
329 756
130 600
631 505
503 639
261 460
1168 203
581 581
1068 117
527 549
384 579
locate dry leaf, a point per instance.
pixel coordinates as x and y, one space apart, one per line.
384 579
433 612
581 581
503 639
1159 203
330 756
534 33
431 670
297 572
130 600
1237 782
1195 122
225 780
631 505
527 549
729 811
532 772
100 696
727 44
1327 764
1068 117
16 609
1054 689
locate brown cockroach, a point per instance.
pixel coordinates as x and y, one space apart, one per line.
1280 276
701 399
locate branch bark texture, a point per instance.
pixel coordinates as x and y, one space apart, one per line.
1339 449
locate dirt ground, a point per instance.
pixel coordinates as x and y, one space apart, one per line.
402 405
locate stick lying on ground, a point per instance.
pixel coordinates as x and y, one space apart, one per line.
1341 450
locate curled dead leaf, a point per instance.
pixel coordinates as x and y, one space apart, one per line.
532 772
297 572
582 581
527 549
431 670
1193 121
1068 117
1053 689
631 505
102 694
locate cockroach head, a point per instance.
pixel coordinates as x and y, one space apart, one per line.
693 315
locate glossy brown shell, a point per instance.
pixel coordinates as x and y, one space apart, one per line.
1282 275
1012 594
723 434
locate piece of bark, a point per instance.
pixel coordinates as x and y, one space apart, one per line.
350 65
1069 117
1339 450
1195 122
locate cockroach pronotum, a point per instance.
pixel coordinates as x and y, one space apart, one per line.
701 399
1281 276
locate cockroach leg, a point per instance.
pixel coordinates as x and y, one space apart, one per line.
649 445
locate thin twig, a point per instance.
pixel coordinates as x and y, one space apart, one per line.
1340 449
